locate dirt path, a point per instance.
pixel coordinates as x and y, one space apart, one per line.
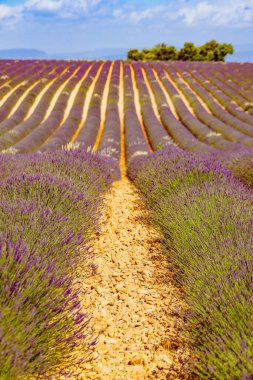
136 309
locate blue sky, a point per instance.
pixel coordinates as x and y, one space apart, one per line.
78 25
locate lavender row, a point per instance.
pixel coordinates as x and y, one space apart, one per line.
46 131
214 106
233 111
240 163
205 215
9 72
44 249
20 114
224 100
28 78
157 135
240 78
226 78
239 72
17 76
232 94
69 128
199 129
110 142
179 133
207 118
236 74
89 131
135 142
31 130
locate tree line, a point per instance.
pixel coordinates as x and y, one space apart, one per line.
210 51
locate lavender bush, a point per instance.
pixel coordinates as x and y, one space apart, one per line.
47 217
241 164
41 320
205 215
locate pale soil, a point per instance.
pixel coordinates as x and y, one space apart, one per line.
73 95
12 89
197 96
213 97
37 99
40 96
167 96
87 103
22 97
138 107
151 94
103 108
122 163
180 93
57 94
137 311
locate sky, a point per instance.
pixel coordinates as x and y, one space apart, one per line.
57 26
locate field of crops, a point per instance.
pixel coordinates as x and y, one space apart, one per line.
201 107
183 134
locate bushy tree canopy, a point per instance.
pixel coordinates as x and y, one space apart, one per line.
210 51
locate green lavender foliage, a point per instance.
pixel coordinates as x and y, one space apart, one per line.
205 215
49 211
240 163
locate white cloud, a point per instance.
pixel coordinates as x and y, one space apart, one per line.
10 15
43 5
212 12
145 14
197 12
159 14
232 12
62 8
58 8
5 11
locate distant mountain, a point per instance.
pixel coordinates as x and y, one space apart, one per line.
22 54
243 53
39 54
93 54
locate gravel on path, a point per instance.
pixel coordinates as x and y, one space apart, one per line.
138 312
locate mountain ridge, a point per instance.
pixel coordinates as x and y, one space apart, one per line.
103 53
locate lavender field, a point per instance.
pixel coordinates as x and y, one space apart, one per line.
201 107
70 131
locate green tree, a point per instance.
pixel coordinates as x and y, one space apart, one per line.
148 55
223 50
213 51
165 53
134 54
188 52
210 51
